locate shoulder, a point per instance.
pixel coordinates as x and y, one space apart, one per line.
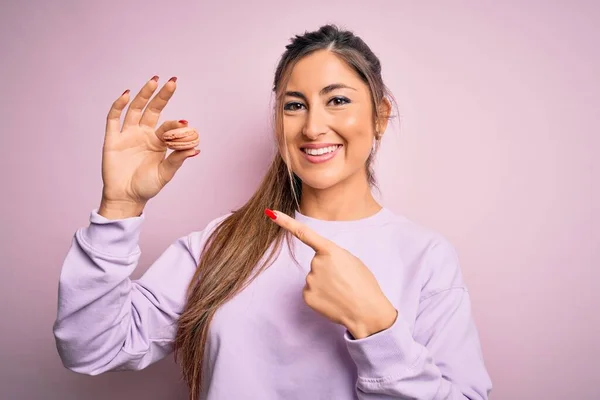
196 240
436 258
410 233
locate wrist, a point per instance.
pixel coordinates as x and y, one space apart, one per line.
373 323
111 209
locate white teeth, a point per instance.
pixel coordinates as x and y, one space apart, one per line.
321 151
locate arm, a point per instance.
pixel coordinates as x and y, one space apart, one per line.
441 358
106 321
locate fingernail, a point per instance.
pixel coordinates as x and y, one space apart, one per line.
173 79
197 152
154 78
183 121
125 92
270 214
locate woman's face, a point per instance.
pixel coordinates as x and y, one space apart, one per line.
328 121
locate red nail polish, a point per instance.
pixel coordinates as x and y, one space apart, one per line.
270 214
197 152
183 121
154 78
125 92
173 79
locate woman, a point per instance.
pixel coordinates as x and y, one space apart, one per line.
331 297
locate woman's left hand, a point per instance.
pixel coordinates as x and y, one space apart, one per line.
339 286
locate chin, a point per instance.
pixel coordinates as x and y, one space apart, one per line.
320 180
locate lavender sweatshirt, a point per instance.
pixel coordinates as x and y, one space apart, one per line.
267 343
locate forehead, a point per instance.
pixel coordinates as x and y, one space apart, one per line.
319 69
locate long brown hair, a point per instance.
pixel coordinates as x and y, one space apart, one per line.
231 256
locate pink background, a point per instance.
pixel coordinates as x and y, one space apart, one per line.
495 149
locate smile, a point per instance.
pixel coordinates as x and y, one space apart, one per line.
320 154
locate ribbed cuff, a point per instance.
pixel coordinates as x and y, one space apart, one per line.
386 353
114 237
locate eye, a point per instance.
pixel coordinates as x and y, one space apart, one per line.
293 106
339 100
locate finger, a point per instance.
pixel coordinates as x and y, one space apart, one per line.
306 235
169 166
168 126
151 114
134 113
113 119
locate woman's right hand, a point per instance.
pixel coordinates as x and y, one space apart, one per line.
134 166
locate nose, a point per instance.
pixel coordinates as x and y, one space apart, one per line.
316 124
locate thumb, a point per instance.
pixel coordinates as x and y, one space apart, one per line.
169 166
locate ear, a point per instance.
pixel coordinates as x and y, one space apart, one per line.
385 110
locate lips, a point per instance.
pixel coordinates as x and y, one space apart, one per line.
320 152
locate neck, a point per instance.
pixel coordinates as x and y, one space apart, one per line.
348 200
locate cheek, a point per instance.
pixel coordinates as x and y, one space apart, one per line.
287 140
357 133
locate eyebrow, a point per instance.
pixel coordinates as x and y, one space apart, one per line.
325 90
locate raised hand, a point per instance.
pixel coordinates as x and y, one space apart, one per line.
134 162
339 286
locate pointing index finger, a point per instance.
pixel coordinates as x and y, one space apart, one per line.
306 235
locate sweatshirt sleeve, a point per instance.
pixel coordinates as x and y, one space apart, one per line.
441 358
106 321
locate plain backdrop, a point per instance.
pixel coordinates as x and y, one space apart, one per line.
495 147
